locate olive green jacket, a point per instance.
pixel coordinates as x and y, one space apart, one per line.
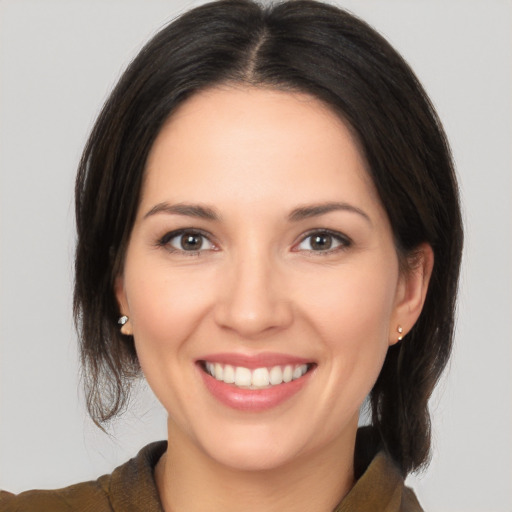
131 488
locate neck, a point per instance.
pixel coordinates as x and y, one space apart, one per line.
188 480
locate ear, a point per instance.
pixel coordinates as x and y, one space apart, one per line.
123 305
411 292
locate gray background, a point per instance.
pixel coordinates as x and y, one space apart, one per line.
58 60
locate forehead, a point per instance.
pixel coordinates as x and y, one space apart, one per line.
229 141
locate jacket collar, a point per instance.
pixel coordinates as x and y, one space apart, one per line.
379 486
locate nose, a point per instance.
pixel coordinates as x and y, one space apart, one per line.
254 301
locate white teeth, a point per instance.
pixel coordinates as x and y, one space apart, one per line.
258 378
229 375
299 371
287 373
219 372
276 375
242 376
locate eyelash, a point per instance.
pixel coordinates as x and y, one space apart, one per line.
164 241
343 241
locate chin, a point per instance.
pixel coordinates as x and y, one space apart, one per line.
251 449
251 459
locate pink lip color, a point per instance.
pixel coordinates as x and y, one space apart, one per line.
253 400
263 360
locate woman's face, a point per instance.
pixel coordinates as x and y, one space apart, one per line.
261 255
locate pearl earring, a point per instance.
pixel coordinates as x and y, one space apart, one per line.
400 331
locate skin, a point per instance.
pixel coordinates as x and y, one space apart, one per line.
253 156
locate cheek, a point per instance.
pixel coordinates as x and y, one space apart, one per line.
165 307
352 301
351 313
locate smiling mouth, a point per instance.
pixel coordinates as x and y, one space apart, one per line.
257 378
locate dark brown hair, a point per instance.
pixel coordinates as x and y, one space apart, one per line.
300 46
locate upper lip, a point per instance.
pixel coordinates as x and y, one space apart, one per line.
262 360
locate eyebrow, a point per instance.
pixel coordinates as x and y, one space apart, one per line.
189 210
298 214
315 210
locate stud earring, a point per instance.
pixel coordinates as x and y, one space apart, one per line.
122 320
400 331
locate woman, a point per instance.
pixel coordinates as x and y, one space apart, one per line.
268 229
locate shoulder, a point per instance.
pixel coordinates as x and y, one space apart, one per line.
410 502
85 496
130 487
379 483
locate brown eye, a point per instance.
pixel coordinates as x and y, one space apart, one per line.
323 241
191 242
186 241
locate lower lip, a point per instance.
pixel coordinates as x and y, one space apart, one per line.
254 400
